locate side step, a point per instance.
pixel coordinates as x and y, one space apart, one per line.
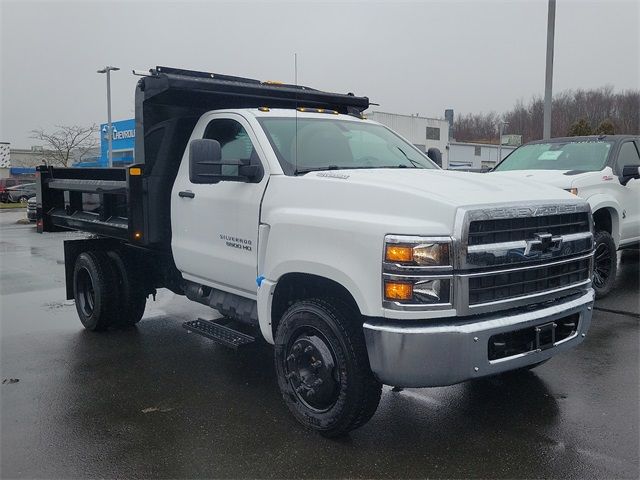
218 333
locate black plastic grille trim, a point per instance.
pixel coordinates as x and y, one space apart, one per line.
507 285
508 344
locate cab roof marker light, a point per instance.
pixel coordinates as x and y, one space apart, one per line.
263 109
317 110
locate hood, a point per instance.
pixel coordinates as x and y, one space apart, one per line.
557 178
455 188
403 200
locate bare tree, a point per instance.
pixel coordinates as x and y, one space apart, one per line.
595 107
67 144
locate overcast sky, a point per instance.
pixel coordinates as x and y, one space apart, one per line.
411 57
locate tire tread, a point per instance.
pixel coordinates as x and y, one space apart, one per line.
367 396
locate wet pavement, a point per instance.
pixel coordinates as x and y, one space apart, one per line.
155 401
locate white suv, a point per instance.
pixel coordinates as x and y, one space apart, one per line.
604 170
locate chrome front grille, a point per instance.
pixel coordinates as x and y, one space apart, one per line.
499 237
510 284
519 255
483 232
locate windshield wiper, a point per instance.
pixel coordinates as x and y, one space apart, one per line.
302 171
336 167
413 162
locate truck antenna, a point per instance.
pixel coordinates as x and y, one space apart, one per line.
295 80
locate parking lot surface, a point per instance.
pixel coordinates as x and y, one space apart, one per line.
155 401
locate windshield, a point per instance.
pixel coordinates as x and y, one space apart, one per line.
586 156
332 144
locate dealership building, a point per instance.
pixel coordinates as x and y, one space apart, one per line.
123 143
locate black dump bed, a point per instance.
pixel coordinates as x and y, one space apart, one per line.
133 203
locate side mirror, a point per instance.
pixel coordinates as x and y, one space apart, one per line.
629 172
207 166
436 155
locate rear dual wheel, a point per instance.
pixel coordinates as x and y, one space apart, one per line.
107 290
132 289
93 280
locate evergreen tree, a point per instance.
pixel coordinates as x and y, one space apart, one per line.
606 127
579 128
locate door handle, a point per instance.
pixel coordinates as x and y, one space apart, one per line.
186 194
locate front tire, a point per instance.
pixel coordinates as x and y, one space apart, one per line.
323 368
605 264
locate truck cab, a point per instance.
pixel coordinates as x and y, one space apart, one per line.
329 236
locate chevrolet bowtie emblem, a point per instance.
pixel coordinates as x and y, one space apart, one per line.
543 243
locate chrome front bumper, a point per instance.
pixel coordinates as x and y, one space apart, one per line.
442 352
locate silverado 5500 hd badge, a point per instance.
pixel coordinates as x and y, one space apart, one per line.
236 242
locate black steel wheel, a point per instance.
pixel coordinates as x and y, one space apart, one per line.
93 290
605 263
311 369
323 368
86 298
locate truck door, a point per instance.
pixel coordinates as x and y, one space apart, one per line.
215 226
629 193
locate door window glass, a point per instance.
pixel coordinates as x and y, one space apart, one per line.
628 156
235 143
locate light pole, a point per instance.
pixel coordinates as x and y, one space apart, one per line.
548 81
108 71
501 126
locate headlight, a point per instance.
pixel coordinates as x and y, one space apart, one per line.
417 291
418 251
417 272
572 190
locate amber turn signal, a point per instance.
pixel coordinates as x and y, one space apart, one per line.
135 171
398 291
398 253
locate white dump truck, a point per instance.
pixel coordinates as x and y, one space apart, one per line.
329 236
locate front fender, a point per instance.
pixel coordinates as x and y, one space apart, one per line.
601 201
268 285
